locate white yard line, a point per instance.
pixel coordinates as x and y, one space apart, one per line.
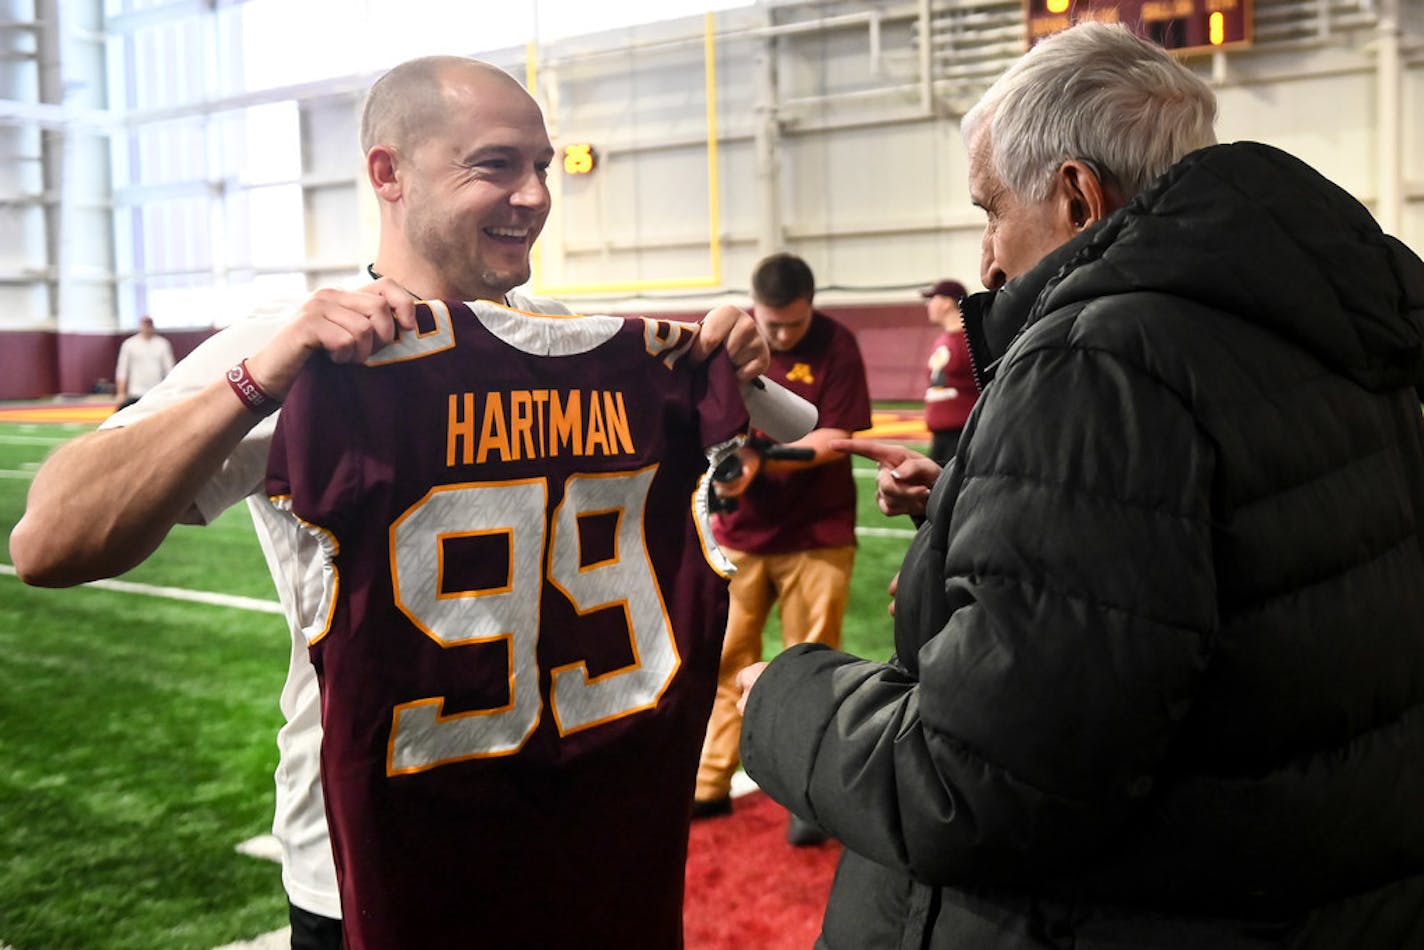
178 593
276 940
33 440
266 847
869 532
263 846
872 532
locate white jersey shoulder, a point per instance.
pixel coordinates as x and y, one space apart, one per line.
544 333
538 332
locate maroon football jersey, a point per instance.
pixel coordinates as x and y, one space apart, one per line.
518 624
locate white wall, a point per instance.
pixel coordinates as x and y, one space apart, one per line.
870 187
827 144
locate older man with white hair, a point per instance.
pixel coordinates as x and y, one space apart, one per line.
1159 672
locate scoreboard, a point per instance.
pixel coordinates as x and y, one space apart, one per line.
1192 26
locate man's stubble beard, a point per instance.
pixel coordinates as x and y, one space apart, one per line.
439 242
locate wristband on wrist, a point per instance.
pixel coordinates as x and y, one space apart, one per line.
251 394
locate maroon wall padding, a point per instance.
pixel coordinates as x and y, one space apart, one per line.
36 364
186 341
894 341
84 359
28 364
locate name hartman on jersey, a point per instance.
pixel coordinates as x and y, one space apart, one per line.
536 423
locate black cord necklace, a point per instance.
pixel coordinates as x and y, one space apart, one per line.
376 275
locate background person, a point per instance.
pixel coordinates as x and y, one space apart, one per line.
951 393
792 535
1159 675
194 446
144 359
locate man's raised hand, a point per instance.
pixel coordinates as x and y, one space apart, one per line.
348 325
736 329
904 477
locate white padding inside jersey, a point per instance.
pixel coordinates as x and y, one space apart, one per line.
546 334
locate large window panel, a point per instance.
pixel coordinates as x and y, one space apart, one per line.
281 43
265 230
165 236
178 300
177 236
246 292
166 153
120 7
262 144
273 38
165 64
210 216
165 247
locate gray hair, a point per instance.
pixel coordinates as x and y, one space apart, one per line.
1097 93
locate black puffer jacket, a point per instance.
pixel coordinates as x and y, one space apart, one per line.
1160 675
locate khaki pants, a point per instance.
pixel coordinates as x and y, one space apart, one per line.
813 587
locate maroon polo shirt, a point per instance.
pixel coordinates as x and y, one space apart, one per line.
802 509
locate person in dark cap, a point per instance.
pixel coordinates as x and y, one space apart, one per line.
951 393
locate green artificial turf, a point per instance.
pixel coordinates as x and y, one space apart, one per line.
138 744
138 734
